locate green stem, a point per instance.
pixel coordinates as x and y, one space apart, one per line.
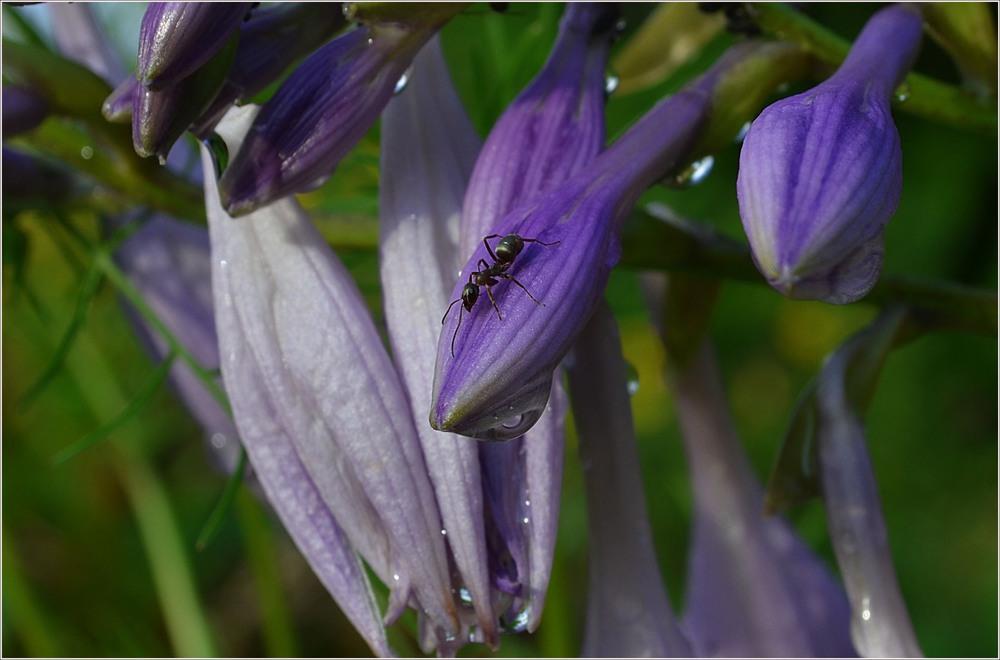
678 245
925 97
186 622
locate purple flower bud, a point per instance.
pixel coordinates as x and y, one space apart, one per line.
821 172
117 108
553 128
495 382
318 114
270 40
178 38
23 110
161 116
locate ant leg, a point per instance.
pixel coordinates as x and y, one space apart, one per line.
460 310
489 292
523 288
488 248
449 310
535 240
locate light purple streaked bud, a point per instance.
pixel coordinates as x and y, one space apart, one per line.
320 112
821 172
308 376
880 624
628 610
23 110
754 589
418 229
178 38
495 383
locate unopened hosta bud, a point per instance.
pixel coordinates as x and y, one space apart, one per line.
178 38
821 172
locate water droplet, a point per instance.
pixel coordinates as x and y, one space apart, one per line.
744 129
444 532
403 81
866 614
518 624
620 26
527 502
611 82
694 173
512 422
86 153
902 93
631 378
526 520
465 596
370 41
219 440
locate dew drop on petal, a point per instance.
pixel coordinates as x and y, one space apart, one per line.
86 152
744 129
694 173
631 378
403 81
611 82
902 93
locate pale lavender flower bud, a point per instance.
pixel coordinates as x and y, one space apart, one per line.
880 624
178 38
754 589
418 229
309 379
628 610
81 39
23 110
821 172
169 264
319 114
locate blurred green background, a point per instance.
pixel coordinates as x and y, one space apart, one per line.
97 550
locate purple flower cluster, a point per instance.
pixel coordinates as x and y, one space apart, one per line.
519 235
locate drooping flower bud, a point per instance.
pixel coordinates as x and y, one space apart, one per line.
322 110
821 172
178 38
270 40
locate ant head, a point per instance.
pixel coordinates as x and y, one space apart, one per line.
470 294
509 247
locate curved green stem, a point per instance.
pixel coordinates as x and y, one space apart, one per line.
924 96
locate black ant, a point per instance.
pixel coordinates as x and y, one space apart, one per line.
507 249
